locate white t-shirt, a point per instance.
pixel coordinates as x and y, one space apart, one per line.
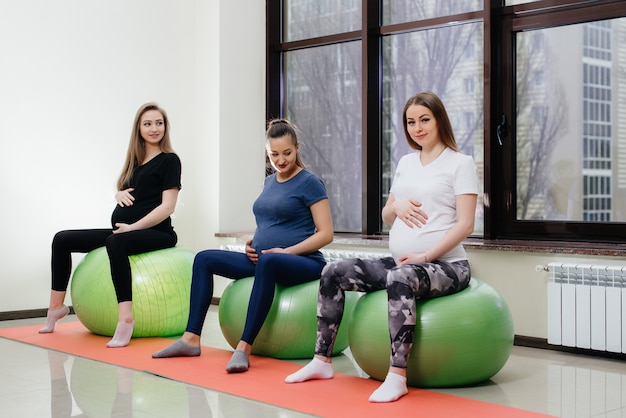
436 186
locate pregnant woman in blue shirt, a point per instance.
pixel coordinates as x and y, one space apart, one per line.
293 222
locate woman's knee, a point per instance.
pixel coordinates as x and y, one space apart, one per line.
271 265
60 238
397 275
271 258
203 258
340 275
65 239
326 277
340 269
333 272
408 281
203 265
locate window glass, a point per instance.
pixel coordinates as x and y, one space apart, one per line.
402 11
449 62
323 99
314 18
571 123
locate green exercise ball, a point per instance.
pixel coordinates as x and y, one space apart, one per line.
161 290
290 329
459 340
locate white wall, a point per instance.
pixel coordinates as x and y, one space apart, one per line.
73 74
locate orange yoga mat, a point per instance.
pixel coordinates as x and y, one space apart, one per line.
342 396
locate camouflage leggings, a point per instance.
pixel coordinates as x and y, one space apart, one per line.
404 284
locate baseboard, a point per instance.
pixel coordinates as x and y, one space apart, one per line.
41 313
26 314
542 343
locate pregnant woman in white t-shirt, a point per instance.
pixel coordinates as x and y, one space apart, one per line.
431 209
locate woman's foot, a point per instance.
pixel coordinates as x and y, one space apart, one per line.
392 389
238 363
52 317
123 333
316 369
178 349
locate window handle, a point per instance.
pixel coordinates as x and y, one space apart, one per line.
502 130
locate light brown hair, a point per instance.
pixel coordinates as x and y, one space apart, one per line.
136 146
435 105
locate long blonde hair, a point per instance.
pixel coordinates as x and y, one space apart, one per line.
136 146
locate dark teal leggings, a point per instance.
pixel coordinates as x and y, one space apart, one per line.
285 269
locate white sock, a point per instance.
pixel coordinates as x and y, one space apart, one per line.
52 317
123 332
316 369
392 389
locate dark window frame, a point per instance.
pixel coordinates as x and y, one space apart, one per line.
500 24
502 219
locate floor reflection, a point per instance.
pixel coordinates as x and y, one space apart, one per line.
85 388
96 389
584 392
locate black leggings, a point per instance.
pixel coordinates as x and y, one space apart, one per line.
119 247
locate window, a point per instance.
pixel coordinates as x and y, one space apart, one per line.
543 123
432 59
564 152
311 19
323 99
344 87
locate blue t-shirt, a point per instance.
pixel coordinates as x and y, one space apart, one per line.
282 213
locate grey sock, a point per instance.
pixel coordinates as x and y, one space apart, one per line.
178 349
238 362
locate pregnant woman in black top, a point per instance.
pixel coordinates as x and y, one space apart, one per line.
147 193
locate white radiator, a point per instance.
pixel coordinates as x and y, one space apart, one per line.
330 254
587 306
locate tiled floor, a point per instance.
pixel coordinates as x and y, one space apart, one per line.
36 382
